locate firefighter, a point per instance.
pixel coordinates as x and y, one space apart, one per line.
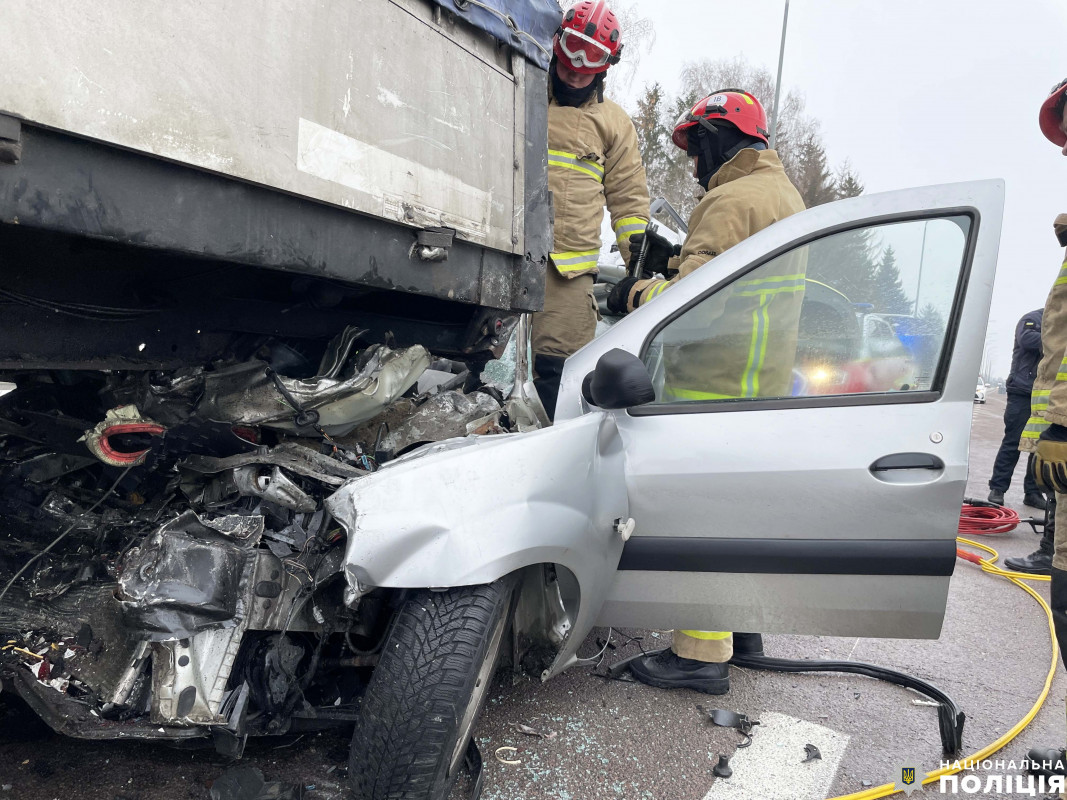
1046 432
593 161
746 190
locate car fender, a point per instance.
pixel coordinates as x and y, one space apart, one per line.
469 511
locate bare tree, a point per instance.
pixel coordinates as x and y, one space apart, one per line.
638 37
701 78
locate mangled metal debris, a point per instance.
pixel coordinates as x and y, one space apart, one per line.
348 389
444 416
189 575
725 718
127 423
198 586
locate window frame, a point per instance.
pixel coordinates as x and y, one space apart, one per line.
841 400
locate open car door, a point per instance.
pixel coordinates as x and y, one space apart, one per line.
821 495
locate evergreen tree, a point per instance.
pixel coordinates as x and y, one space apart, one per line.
845 262
890 297
932 321
652 139
813 178
848 182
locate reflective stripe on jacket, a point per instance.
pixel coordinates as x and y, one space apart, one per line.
748 193
1048 400
741 341
593 161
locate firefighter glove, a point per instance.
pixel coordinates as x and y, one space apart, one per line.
1050 463
618 296
660 251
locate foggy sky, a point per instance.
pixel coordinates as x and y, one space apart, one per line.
911 92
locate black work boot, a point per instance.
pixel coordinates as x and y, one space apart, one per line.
1038 562
748 644
1035 500
666 670
996 497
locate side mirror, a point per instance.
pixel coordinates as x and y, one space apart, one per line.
620 380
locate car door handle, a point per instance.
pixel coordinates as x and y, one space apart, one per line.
907 461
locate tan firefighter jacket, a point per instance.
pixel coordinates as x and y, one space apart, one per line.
593 159
748 343
1048 401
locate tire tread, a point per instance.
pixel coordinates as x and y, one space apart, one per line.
419 690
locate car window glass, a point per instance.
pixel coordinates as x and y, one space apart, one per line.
857 312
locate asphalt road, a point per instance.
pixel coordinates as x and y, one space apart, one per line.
611 739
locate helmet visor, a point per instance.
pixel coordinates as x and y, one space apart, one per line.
582 50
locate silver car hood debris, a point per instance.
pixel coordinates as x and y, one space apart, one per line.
245 395
479 508
189 575
443 416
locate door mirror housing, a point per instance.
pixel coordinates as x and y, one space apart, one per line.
620 380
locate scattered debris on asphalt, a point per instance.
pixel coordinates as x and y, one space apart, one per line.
528 731
722 769
247 783
812 752
502 753
724 718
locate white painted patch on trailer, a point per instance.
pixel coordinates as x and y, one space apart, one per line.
772 769
390 178
387 98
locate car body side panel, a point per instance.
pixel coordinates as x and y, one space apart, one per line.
849 605
468 512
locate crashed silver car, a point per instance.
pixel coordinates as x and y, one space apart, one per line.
264 546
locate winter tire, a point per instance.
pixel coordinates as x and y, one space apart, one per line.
427 691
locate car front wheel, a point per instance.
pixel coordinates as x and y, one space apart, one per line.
427 691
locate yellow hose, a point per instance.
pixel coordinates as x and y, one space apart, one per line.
989 566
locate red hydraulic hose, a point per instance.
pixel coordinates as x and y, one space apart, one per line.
977 519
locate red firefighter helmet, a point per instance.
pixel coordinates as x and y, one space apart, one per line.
589 40
1051 116
736 106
